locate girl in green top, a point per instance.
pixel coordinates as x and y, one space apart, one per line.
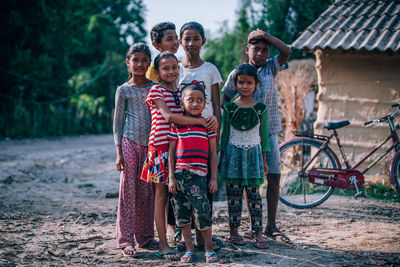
244 142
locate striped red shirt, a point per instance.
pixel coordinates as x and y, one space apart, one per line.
159 125
192 146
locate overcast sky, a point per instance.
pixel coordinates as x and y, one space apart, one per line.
209 13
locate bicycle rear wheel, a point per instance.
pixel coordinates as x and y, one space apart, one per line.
395 171
296 191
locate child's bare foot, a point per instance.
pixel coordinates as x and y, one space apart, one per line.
129 251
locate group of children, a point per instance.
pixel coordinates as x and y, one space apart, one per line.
166 130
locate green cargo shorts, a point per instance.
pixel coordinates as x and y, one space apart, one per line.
191 199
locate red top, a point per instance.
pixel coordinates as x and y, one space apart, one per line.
192 146
159 125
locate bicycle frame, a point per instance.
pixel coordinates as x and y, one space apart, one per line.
393 135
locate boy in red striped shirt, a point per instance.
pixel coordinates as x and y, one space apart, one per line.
191 149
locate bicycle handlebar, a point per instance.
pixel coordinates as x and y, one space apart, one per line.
368 122
392 116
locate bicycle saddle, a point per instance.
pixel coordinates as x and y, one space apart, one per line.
335 125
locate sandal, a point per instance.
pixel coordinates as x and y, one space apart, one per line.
261 244
236 240
129 251
181 246
249 235
280 237
151 245
166 254
188 257
174 239
211 257
200 247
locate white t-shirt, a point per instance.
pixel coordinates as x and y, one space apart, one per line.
206 73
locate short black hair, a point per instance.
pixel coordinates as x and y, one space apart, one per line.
192 25
256 41
165 54
194 86
247 70
157 32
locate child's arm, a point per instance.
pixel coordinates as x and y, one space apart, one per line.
119 162
264 136
175 118
284 50
213 186
215 100
229 90
172 184
266 169
119 118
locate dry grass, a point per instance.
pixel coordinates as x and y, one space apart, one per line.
293 86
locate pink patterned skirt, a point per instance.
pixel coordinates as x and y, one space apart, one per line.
135 217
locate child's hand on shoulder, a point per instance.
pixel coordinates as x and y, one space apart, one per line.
173 185
213 186
212 124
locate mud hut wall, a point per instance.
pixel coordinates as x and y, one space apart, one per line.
357 87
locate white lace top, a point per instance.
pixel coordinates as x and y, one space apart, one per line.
245 139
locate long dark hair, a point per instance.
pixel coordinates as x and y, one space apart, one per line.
247 70
192 25
138 47
165 54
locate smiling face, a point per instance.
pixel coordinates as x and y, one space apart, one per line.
191 41
258 53
193 102
169 42
138 63
245 85
168 70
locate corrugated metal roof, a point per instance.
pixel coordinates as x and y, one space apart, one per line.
355 24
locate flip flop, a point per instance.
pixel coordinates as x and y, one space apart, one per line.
209 257
127 252
174 239
279 236
181 246
188 257
261 244
163 254
151 245
236 240
200 247
249 235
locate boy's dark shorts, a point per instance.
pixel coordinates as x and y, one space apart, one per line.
191 199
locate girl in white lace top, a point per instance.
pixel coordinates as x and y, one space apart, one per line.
244 142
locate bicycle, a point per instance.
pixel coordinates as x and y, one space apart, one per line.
311 170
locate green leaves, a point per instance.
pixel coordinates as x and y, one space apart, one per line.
51 50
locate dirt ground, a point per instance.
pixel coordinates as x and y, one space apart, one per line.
54 211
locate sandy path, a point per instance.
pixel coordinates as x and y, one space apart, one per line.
53 211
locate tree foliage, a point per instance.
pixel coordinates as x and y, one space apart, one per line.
60 62
285 19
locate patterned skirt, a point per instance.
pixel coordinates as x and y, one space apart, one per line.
155 168
242 164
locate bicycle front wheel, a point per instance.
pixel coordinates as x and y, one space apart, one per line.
296 191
